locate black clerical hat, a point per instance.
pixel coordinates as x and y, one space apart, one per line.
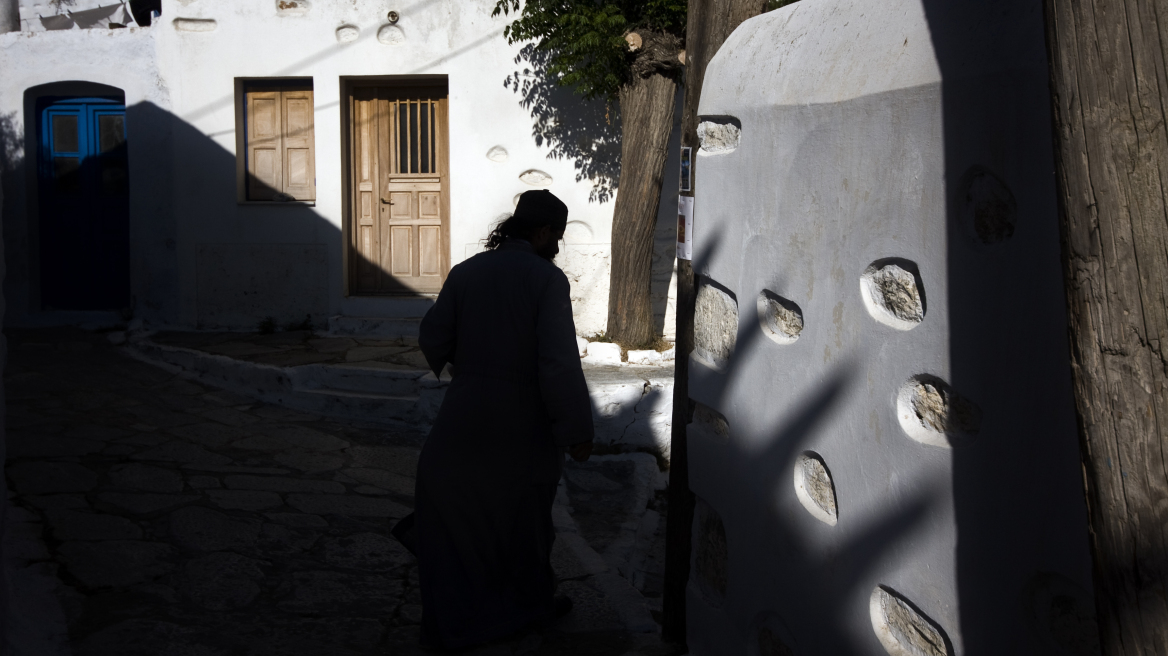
541 207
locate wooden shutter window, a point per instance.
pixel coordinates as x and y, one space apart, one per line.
281 150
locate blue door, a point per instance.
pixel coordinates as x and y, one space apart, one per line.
84 204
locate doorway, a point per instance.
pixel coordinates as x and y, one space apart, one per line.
399 230
84 209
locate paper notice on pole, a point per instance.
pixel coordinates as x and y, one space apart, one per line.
685 227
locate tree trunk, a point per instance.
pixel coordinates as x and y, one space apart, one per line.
646 105
9 16
708 24
1109 82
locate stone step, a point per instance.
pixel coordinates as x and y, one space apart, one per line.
361 393
632 405
367 406
390 379
390 327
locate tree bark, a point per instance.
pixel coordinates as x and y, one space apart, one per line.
1109 83
9 16
646 105
709 23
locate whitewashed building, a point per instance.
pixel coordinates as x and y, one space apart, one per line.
324 160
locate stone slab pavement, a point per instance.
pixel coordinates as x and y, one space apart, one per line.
149 514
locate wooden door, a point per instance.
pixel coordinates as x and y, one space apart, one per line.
399 232
84 213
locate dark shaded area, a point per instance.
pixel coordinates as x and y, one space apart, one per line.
137 513
141 9
190 519
587 132
1004 270
83 187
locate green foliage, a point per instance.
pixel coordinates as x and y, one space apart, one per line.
585 38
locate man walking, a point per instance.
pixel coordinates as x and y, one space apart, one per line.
489 469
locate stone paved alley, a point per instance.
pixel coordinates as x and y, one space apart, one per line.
149 514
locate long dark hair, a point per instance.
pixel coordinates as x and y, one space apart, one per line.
513 227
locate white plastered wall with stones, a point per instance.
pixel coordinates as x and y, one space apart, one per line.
181 73
884 445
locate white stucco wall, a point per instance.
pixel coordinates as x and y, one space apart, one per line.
184 213
859 127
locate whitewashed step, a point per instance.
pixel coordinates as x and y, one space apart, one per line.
363 393
358 405
388 379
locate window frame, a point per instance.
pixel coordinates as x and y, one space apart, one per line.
244 85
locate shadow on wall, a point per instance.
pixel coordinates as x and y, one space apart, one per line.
250 262
586 132
825 581
1006 304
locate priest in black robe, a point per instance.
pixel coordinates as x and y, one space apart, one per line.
488 472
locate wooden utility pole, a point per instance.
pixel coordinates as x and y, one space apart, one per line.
708 25
1109 84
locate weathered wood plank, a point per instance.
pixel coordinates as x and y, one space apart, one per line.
1110 95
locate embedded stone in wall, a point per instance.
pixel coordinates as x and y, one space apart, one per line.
292 7
930 412
902 629
719 134
781 319
194 24
715 325
987 206
814 487
713 554
893 293
711 422
536 178
391 35
347 33
497 154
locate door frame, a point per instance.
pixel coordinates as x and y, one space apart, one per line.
349 84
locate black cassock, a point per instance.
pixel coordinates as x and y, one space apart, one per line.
488 472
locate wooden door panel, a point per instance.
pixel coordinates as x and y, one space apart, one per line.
300 176
401 206
367 258
400 253
298 168
429 250
428 206
263 141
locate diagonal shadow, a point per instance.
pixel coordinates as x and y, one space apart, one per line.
756 463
